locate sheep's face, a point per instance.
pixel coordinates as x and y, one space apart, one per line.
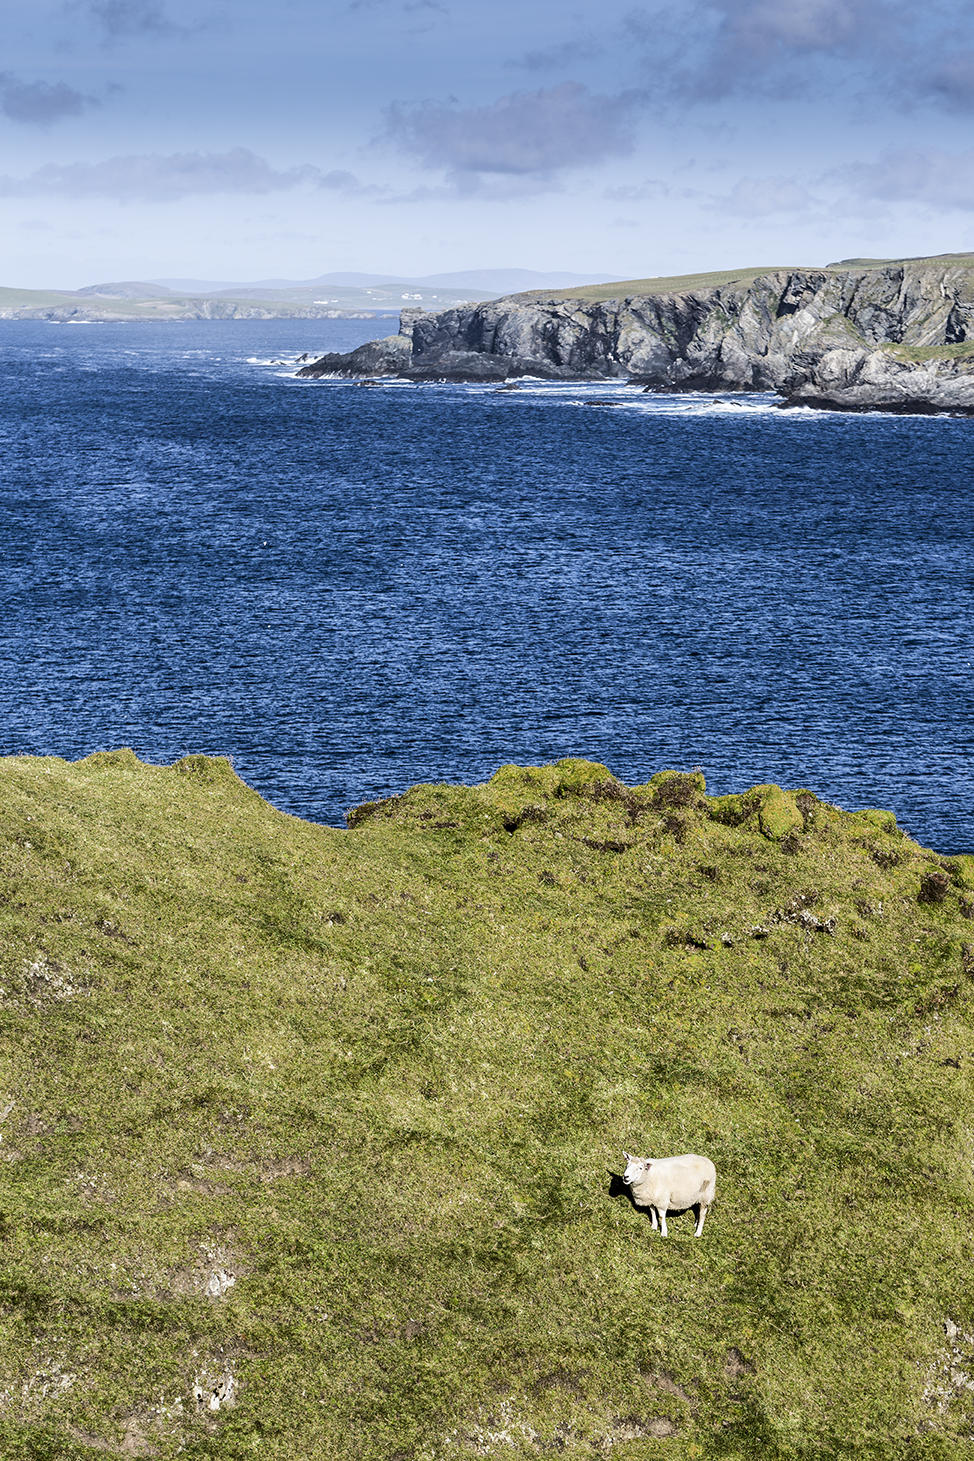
636 1167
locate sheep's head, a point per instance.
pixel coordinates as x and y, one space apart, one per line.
636 1167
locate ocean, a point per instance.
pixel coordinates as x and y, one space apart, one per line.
351 589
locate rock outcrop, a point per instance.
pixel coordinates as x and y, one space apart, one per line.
889 337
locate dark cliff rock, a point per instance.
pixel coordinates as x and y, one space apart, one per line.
376 357
895 337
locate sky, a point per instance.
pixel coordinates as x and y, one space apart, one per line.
242 140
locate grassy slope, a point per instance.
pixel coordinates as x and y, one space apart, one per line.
382 1080
91 307
278 304
667 284
685 283
917 354
34 298
963 259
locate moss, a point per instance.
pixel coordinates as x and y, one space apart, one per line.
883 821
123 758
678 788
212 770
779 813
561 778
732 809
961 870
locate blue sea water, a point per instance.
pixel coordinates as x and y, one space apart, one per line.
350 589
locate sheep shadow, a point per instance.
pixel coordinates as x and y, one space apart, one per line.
618 1190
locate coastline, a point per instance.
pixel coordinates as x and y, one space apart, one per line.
892 338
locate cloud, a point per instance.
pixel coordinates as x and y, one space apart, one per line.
785 47
524 133
419 16
406 6
126 20
915 175
872 51
340 181
563 53
950 82
120 18
761 31
39 103
649 191
762 197
156 178
484 187
123 19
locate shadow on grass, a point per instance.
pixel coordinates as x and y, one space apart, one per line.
617 1190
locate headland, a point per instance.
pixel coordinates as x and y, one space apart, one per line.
890 335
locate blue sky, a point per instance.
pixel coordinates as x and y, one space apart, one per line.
238 140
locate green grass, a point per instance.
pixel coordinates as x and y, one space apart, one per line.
382 1079
34 298
686 283
90 305
93 307
916 354
959 260
667 284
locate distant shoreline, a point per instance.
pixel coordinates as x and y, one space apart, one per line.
131 317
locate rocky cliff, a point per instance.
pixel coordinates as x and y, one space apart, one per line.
894 336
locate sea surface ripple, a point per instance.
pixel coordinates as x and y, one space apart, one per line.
350 589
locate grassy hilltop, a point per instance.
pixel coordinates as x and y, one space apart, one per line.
716 278
311 1139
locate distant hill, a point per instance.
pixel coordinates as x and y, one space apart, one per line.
486 282
128 289
340 293
320 298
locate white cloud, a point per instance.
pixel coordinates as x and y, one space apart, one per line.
161 178
916 175
39 103
524 133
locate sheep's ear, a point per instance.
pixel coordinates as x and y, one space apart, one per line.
627 1156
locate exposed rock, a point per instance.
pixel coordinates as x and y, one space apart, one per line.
898 337
376 357
215 1389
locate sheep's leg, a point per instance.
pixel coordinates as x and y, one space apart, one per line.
702 1209
652 1213
662 1222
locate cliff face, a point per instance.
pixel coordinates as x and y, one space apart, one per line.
894 337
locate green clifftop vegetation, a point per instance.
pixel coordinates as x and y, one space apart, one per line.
311 1139
716 278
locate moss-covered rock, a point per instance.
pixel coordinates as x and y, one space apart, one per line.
881 820
961 870
778 812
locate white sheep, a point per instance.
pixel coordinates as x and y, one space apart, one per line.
665 1184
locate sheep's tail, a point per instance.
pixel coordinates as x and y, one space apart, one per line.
708 1190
